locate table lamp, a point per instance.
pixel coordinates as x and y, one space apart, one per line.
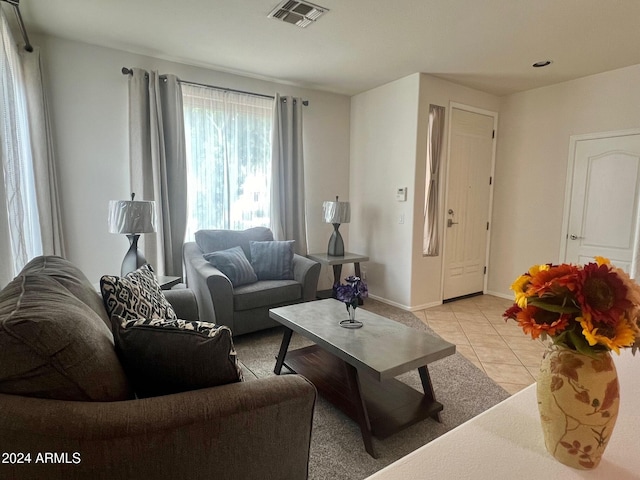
132 218
336 213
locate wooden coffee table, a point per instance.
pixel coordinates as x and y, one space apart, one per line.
355 368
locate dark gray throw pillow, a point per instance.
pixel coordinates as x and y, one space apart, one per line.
272 260
161 357
234 264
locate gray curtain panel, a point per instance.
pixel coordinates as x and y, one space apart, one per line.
158 164
288 218
44 165
431 243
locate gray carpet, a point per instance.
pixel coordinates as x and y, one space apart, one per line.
337 451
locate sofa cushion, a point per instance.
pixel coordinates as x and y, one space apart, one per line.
70 277
170 356
272 260
234 264
214 240
52 345
136 295
266 293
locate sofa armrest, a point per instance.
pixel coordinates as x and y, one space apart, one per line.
212 288
307 272
246 430
183 302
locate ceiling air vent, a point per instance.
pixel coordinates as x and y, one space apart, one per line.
297 13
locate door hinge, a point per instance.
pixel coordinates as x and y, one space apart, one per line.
493 135
485 270
490 180
487 225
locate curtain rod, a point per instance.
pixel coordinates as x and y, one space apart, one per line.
16 7
128 71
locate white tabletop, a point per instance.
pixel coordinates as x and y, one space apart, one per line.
506 442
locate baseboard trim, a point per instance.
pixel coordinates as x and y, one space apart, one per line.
433 304
425 305
501 295
405 307
389 302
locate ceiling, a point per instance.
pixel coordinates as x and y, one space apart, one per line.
360 44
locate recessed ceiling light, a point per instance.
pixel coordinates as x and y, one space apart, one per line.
541 64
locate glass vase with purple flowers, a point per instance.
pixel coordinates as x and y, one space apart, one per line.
351 294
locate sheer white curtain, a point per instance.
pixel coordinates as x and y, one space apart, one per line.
228 150
157 162
44 165
28 194
288 218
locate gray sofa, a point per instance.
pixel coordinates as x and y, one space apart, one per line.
243 309
63 391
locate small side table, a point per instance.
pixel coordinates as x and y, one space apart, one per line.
167 282
337 262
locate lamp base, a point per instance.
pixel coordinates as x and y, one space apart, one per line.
133 259
336 244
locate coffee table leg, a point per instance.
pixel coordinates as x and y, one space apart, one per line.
425 378
361 409
286 338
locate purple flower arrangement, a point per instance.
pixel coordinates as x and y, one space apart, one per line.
352 292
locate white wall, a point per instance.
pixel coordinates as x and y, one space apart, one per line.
388 151
88 97
427 271
383 153
531 165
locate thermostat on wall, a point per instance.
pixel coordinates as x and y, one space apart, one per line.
401 194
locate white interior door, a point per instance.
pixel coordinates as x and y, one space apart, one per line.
603 210
467 202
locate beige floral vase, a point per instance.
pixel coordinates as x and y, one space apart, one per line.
578 399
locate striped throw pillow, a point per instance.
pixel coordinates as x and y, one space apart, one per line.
234 264
272 260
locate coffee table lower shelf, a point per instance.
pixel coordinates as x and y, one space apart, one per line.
390 405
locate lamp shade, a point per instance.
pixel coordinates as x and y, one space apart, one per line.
336 212
127 216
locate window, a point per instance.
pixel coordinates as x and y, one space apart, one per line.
21 239
228 147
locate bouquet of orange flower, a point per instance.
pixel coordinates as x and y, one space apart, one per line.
590 309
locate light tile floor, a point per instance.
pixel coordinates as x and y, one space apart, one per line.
499 348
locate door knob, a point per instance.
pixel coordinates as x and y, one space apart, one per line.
574 237
451 222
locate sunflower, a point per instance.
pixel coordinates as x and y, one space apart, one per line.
595 306
620 335
633 289
601 293
555 280
536 321
519 286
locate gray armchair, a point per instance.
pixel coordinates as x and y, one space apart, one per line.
243 309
